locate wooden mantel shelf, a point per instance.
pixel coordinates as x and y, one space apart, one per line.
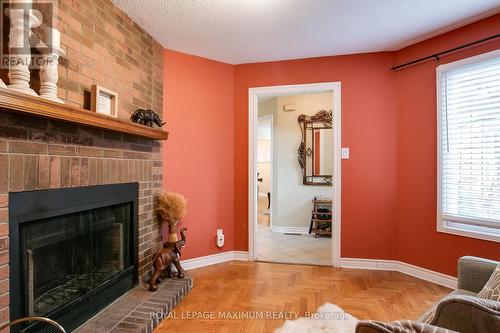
37 106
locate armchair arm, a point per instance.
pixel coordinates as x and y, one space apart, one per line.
405 326
474 272
467 314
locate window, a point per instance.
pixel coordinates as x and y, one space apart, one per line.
469 147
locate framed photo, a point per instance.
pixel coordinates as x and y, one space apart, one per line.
104 101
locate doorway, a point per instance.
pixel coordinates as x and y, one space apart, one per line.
289 234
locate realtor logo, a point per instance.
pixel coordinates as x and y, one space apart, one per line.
29 31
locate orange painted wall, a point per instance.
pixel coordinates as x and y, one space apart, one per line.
418 242
198 155
368 128
388 121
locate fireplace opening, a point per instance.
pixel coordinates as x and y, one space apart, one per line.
73 251
67 256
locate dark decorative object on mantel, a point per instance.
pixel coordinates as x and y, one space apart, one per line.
146 117
164 258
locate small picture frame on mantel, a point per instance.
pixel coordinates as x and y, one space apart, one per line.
104 101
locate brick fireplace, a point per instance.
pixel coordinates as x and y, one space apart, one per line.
38 154
102 46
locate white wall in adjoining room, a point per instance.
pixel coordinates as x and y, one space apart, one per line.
264 150
293 200
267 110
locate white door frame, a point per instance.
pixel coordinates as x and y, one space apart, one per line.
253 112
271 167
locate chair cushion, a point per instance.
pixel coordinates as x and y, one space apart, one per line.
492 288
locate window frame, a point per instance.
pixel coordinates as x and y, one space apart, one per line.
443 226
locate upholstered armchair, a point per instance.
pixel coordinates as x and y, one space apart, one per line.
461 311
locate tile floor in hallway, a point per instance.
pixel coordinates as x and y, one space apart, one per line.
293 249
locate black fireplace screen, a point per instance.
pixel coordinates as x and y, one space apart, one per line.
67 256
76 250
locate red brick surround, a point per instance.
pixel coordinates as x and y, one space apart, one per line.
103 46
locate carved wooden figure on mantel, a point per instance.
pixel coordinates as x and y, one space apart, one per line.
147 117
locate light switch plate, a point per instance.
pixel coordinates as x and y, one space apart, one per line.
345 153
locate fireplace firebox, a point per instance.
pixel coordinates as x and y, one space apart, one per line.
72 252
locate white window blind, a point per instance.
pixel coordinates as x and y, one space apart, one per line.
469 144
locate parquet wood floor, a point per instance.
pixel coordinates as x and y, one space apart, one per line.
254 286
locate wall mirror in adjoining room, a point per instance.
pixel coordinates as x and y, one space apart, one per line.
316 148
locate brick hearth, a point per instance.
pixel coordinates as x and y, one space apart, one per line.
139 310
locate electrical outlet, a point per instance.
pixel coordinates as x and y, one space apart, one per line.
345 153
220 238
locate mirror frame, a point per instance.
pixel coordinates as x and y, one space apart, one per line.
324 119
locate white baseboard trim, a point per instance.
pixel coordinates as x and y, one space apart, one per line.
354 263
402 267
290 230
214 259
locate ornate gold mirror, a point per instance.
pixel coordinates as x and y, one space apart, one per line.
316 149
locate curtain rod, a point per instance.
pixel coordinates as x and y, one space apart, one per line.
437 55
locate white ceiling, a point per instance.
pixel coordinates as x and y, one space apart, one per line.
244 31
